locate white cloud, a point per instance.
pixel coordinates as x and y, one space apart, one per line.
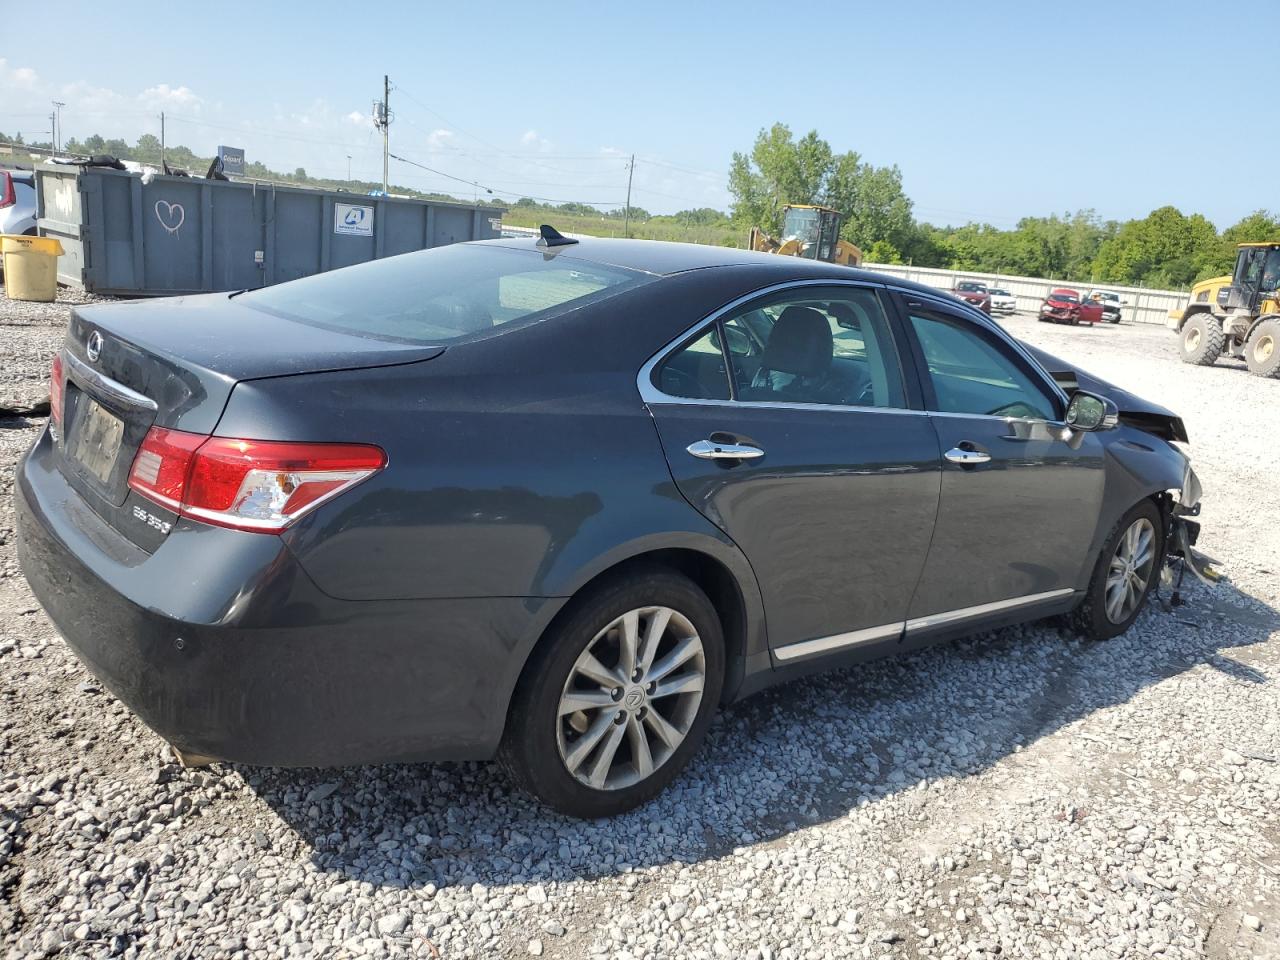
441 139
530 137
357 118
163 96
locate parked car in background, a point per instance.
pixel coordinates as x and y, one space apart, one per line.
973 292
18 202
559 501
1109 301
1065 306
1002 301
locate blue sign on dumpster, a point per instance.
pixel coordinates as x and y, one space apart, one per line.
232 160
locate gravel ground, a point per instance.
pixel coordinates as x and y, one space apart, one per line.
1019 793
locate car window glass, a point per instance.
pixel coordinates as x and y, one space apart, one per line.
970 374
697 372
829 346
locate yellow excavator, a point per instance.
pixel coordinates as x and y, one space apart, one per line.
811 232
1236 315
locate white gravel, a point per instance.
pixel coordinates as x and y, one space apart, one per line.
1019 794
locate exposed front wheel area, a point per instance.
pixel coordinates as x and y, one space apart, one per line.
1124 575
1133 562
618 695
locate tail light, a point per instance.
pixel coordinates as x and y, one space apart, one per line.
56 388
8 195
259 485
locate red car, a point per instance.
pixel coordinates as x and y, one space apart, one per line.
975 293
1065 306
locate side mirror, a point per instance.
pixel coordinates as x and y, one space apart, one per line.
1087 411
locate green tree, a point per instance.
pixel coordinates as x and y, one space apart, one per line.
781 170
1165 248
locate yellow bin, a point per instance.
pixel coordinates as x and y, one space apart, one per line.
30 267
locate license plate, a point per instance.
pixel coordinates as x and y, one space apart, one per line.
96 440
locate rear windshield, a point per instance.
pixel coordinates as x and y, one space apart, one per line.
443 295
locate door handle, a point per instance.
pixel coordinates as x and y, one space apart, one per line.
967 458
710 450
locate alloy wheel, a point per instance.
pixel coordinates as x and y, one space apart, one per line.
631 698
1132 565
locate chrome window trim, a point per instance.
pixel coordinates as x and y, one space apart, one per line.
982 609
112 388
840 641
649 393
972 313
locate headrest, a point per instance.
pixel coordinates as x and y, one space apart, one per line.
800 343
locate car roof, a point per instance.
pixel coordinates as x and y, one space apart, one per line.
664 258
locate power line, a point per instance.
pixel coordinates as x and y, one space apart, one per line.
476 183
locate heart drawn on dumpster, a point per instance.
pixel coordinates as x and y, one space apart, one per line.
172 217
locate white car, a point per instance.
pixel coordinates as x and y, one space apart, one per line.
17 202
1110 302
1002 301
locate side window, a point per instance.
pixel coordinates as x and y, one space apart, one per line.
816 345
698 371
970 374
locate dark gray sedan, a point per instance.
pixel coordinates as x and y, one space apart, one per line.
557 501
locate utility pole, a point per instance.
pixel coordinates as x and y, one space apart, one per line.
348 168
162 140
386 128
57 124
626 217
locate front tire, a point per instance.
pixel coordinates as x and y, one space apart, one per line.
1126 572
1201 340
618 698
1262 350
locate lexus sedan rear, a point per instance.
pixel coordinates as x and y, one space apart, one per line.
557 501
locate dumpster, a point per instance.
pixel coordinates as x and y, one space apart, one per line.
30 267
129 235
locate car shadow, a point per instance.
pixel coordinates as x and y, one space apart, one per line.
795 755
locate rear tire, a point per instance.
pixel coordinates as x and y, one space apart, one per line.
1201 339
620 748
1127 570
1262 350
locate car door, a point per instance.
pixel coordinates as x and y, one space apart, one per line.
788 421
1020 492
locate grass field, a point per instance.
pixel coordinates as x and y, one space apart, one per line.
656 228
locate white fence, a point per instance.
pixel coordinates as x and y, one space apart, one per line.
1139 304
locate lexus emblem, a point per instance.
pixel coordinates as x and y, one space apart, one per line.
634 699
93 346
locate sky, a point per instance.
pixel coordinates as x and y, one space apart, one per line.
992 111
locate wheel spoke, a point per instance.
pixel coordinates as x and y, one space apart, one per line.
664 731
653 637
628 641
683 651
604 759
587 742
576 700
685 683
642 757
593 669
1115 600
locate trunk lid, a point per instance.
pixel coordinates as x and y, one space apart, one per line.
173 363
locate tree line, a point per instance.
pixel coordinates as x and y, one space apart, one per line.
1167 248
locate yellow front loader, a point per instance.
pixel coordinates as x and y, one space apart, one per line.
1236 315
811 232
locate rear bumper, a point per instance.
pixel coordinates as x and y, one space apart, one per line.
222 645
